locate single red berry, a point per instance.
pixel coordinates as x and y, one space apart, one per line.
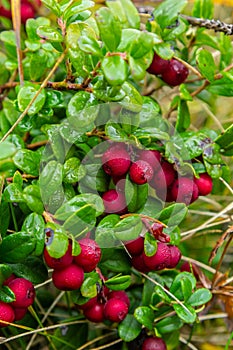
140 172
175 256
88 304
27 11
136 246
89 256
162 179
176 73
115 310
6 313
5 12
139 264
95 313
119 294
158 65
20 312
160 260
204 184
59 263
24 292
116 160
69 278
152 157
184 190
114 202
154 343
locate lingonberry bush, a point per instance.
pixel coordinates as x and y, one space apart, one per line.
115 175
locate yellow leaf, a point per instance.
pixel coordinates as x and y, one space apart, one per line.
208 346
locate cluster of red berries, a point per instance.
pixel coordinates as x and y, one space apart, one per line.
27 10
68 273
166 255
173 72
24 292
108 305
148 166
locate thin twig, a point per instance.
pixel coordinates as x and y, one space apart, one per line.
95 340
216 25
190 345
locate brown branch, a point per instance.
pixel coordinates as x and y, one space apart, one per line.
216 25
37 144
66 85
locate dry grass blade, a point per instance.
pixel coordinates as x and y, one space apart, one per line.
219 243
16 19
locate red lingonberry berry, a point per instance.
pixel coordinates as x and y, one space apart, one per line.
154 343
115 310
95 313
69 278
20 312
184 190
139 264
190 267
160 259
152 157
176 73
114 202
59 263
119 294
158 65
204 184
89 256
88 304
136 246
175 256
140 172
24 292
116 160
27 11
6 313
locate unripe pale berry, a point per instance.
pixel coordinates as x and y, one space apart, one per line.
114 202
158 65
24 292
115 310
184 190
175 73
116 160
59 263
154 343
204 184
89 256
69 278
6 313
141 172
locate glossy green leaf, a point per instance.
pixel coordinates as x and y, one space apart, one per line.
27 161
183 116
145 316
26 94
185 312
6 294
136 195
89 44
223 86
115 69
200 297
32 197
17 247
4 217
7 149
169 324
49 33
226 138
53 6
115 132
206 64
104 234
82 109
109 27
150 244
162 294
77 7
131 13
34 225
118 282
8 36
38 64
73 171
13 193
167 12
203 9
173 214
88 288
129 328
115 260
31 268
57 244
128 228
